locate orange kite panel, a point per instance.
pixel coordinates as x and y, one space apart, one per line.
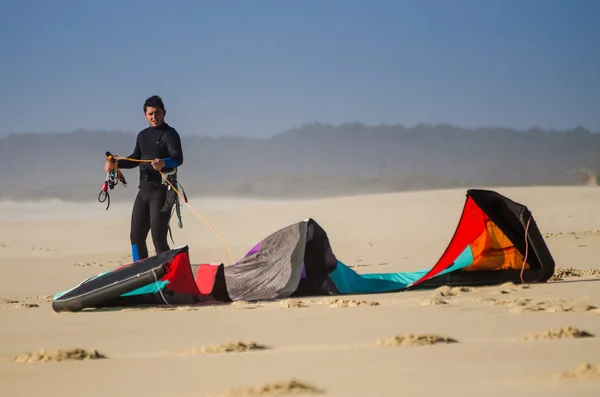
492 250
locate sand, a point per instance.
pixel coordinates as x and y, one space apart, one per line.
530 340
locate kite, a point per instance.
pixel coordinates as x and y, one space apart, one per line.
496 241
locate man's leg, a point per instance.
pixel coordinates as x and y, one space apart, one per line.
159 220
140 226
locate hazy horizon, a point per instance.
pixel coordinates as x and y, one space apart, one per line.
313 161
296 128
258 70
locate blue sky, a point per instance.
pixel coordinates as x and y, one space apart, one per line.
257 68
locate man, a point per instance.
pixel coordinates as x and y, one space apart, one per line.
152 207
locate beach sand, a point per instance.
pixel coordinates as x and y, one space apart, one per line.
533 340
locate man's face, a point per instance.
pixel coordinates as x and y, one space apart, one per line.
155 116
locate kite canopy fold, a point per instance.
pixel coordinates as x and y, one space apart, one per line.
496 241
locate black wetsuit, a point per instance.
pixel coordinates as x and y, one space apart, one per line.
149 210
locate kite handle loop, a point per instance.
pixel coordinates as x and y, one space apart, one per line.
103 195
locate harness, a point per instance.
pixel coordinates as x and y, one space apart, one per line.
172 200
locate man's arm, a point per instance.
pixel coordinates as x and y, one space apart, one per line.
137 154
173 142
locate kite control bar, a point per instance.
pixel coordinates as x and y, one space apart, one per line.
112 179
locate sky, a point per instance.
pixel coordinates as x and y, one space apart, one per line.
259 68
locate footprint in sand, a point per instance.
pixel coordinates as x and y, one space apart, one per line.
235 347
446 291
570 272
528 305
349 303
293 303
43 249
585 371
47 298
507 288
88 264
414 340
43 356
244 305
291 387
434 301
440 295
4 301
554 307
111 264
26 305
558 333
575 235
561 308
516 302
17 304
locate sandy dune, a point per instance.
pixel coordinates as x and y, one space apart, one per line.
532 340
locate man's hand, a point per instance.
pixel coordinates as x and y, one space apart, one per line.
108 166
158 164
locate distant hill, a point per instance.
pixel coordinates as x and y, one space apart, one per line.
314 160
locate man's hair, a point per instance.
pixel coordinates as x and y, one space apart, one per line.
154 102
